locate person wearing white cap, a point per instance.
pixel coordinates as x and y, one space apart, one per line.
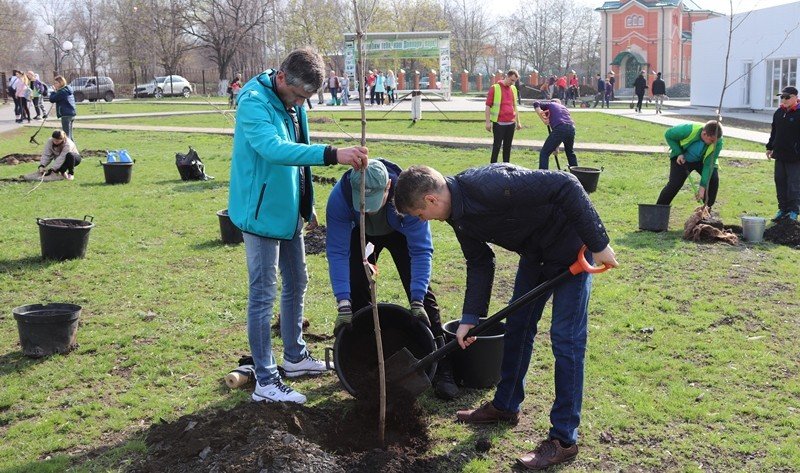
406 237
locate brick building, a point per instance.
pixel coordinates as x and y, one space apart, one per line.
650 35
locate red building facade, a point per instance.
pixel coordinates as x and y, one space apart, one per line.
648 35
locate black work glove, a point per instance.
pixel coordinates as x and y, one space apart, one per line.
418 311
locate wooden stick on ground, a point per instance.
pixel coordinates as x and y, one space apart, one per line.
367 266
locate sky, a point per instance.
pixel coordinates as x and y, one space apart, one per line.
506 7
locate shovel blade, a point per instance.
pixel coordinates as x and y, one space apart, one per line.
404 373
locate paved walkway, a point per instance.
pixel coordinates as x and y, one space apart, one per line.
456 142
437 107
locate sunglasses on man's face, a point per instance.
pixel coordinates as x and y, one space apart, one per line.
786 96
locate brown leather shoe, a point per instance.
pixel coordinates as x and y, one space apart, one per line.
487 414
548 453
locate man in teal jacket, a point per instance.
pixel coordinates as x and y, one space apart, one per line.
693 147
270 197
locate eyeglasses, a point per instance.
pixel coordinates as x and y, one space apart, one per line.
786 96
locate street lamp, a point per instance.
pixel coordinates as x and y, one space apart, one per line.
65 46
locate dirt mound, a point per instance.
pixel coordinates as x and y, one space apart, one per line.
315 240
321 120
283 437
16 158
784 232
323 180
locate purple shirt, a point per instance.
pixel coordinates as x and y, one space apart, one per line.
559 115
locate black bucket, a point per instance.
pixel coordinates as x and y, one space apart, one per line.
64 238
354 351
230 233
653 217
587 176
47 329
479 365
117 173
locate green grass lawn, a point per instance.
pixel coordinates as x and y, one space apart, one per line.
692 361
139 106
591 127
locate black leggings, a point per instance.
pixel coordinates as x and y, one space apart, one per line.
397 245
70 162
24 111
503 135
677 176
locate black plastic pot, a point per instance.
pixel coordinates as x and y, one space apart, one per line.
587 176
117 173
479 365
64 238
653 217
47 329
230 233
354 351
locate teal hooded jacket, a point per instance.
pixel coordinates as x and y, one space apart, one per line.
264 196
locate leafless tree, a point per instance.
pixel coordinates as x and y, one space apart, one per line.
223 26
471 30
90 29
165 22
734 22
128 45
15 28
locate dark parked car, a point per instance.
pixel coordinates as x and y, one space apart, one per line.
93 88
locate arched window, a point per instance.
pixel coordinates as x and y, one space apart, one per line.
634 21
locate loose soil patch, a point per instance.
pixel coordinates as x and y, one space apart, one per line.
315 240
784 232
16 158
284 437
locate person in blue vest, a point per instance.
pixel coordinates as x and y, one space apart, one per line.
270 197
407 238
693 147
502 118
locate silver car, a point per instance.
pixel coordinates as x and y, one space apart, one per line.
165 86
92 88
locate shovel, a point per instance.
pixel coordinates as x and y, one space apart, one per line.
555 153
406 373
33 138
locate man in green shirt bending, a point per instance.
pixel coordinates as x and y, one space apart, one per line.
693 147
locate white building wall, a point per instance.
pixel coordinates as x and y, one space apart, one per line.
761 32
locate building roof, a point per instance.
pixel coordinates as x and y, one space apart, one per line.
685 5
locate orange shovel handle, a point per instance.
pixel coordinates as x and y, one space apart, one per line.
582 264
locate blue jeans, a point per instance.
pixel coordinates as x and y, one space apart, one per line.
264 257
560 134
568 336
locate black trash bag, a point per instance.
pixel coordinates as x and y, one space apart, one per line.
190 166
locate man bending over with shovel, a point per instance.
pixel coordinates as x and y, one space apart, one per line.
693 147
546 217
407 238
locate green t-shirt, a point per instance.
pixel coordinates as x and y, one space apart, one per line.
377 224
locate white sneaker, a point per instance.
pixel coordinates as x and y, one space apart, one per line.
277 392
308 365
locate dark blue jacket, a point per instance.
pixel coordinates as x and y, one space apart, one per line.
65 102
342 218
544 216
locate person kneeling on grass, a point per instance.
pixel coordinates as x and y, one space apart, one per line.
62 156
407 238
545 217
693 147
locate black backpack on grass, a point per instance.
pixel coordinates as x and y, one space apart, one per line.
190 166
